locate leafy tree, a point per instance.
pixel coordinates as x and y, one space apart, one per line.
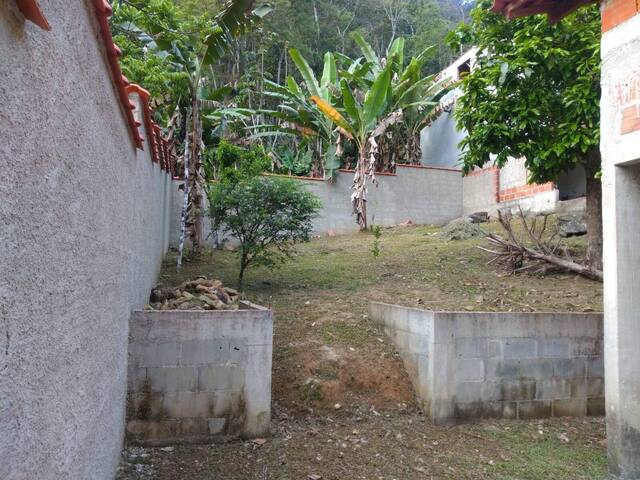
267 215
535 93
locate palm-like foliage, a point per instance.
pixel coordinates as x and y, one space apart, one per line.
299 116
362 123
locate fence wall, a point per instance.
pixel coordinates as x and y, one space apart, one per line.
511 365
83 227
194 376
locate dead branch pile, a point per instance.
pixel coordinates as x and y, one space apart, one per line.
534 253
198 294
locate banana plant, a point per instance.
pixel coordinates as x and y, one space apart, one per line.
415 95
363 123
297 115
193 56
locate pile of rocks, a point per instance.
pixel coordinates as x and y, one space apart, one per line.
198 294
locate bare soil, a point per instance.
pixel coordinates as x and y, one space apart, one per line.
343 405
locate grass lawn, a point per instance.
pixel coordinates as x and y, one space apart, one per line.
328 352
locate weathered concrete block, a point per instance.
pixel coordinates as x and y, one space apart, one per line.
471 348
192 428
203 352
136 378
188 405
587 346
496 369
570 407
569 367
144 406
536 368
469 370
468 392
217 425
518 390
163 354
554 347
172 379
595 366
553 388
519 348
535 409
221 377
596 407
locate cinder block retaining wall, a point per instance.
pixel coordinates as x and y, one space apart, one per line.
194 376
512 365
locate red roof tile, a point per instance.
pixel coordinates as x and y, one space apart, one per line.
556 9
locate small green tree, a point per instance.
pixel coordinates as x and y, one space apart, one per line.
268 216
535 93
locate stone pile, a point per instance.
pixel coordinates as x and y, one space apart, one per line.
198 294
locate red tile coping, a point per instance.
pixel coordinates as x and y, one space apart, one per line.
555 9
428 167
522 191
384 174
103 12
32 12
293 177
158 146
616 12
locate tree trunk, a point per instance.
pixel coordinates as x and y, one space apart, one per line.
594 209
359 196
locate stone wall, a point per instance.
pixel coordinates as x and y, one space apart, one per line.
510 365
83 228
194 376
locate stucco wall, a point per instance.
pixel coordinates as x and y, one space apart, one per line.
511 365
440 142
83 226
194 376
480 191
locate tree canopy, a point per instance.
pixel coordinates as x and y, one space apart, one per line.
534 93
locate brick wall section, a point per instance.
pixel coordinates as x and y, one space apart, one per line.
503 365
616 12
194 376
524 191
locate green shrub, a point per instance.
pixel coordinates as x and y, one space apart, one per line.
231 163
267 215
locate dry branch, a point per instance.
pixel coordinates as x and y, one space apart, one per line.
519 257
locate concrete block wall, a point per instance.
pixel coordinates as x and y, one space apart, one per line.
83 228
424 195
195 376
508 365
481 191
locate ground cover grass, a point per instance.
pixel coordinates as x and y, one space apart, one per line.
327 353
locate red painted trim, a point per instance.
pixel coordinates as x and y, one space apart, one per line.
428 167
32 12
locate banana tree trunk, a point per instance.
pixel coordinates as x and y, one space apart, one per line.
185 203
359 196
196 179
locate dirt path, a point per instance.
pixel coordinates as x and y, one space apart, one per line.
344 406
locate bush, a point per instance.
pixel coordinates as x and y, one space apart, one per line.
268 216
230 163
